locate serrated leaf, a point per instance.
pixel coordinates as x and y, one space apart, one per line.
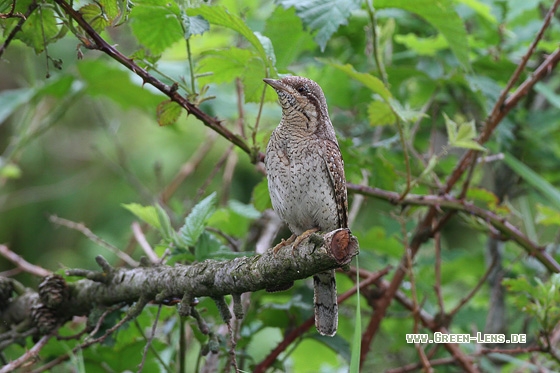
267 45
325 16
147 214
547 215
442 15
368 80
380 114
206 246
219 15
261 197
451 128
405 114
39 29
466 131
156 24
95 16
195 222
196 25
462 135
168 112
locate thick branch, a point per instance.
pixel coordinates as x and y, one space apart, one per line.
209 278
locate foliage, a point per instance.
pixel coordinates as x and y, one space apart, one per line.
415 93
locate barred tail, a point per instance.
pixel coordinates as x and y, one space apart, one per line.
326 307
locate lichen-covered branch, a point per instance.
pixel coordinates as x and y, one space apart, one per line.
58 301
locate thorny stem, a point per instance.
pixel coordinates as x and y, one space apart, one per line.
191 67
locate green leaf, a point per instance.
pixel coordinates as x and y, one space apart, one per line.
40 28
168 112
325 16
206 246
422 46
242 209
535 180
405 114
147 214
225 65
261 197
380 114
195 222
156 24
219 15
253 85
194 25
166 230
462 135
104 80
100 14
368 80
488 198
268 48
285 31
442 15
481 9
547 215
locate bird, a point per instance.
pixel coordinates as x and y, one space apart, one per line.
306 181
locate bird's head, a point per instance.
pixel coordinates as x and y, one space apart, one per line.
302 100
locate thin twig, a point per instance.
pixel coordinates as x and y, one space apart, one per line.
143 242
189 167
149 340
475 290
30 354
80 227
83 345
22 263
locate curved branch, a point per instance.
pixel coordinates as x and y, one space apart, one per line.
170 91
509 230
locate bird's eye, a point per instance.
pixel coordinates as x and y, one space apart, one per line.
301 89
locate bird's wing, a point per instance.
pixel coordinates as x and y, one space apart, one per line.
335 166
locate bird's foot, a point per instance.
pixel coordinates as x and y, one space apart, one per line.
283 243
302 237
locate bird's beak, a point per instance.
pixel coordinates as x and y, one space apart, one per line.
276 84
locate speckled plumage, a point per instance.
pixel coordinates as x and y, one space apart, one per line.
306 177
